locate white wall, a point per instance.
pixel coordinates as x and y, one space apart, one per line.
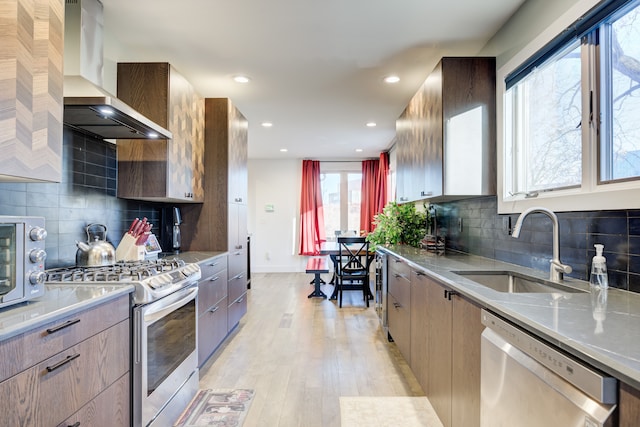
275 235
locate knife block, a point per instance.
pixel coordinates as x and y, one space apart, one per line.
127 250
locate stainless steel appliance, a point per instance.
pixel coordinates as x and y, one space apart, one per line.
381 290
22 257
525 382
175 235
164 340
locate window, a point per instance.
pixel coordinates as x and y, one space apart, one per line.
544 124
570 130
341 200
620 145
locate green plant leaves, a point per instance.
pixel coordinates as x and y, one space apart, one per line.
399 224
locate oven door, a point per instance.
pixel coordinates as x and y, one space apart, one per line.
165 355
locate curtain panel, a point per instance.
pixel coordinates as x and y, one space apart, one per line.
312 232
374 190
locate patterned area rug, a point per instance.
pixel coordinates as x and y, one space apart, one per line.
387 412
217 407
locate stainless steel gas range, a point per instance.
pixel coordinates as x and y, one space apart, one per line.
164 332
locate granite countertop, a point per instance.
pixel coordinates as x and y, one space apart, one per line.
57 302
602 329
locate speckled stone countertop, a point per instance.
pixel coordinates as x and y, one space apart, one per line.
602 329
57 302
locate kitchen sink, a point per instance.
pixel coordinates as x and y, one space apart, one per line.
513 282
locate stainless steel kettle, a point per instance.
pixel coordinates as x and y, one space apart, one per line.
95 252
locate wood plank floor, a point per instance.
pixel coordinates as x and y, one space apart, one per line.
300 355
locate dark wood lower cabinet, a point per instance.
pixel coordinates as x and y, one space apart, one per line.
109 408
628 406
212 329
68 382
439 336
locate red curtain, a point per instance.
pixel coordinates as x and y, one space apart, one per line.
311 213
374 190
383 181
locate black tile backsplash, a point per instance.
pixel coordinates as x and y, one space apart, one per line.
486 233
87 194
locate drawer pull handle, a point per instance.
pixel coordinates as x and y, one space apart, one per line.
396 305
63 362
239 300
214 309
238 246
62 326
76 424
213 279
213 264
240 276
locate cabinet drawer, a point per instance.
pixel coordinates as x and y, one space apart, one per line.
27 349
398 267
237 263
109 408
213 265
237 309
237 287
54 389
211 290
400 288
212 328
399 326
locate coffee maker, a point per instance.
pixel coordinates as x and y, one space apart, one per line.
170 223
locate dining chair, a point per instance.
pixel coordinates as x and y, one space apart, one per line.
352 267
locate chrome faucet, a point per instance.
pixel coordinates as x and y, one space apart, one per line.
557 268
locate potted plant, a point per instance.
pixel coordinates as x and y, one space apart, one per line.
399 224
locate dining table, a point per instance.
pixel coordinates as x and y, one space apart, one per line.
333 250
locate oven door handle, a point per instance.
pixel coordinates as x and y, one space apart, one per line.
157 313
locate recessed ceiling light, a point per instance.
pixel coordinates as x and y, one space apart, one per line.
283 150
241 79
358 150
267 124
371 124
392 79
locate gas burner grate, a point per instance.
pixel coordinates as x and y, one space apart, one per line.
124 271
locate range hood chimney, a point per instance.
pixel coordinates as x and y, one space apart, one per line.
87 106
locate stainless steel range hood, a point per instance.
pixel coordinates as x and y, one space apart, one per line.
87 106
109 118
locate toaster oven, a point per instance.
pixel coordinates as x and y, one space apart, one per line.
22 256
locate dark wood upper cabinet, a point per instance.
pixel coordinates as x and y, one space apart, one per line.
162 170
446 135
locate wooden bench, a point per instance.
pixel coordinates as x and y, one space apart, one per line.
317 266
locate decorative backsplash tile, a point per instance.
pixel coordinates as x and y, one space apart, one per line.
486 233
87 194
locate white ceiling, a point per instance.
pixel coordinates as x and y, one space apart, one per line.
316 66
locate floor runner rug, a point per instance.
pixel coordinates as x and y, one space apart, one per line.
390 411
217 407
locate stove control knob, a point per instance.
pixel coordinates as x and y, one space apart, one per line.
37 234
37 277
37 255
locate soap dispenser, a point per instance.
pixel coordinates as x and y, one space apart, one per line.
599 269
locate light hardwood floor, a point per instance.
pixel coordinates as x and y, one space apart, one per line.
300 355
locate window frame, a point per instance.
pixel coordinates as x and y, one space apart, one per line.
591 194
343 168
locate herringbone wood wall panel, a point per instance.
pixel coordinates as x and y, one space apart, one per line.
31 79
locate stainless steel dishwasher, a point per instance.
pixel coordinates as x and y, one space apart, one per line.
526 382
